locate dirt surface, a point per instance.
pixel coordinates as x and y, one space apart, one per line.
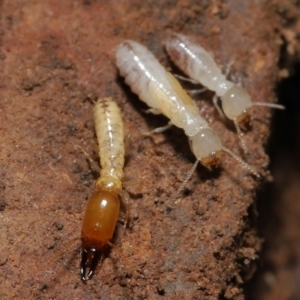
278 277
57 57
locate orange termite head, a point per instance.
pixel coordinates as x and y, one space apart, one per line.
98 227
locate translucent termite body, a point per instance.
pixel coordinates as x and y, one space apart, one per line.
103 207
199 65
161 91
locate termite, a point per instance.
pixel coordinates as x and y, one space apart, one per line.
103 207
161 91
200 66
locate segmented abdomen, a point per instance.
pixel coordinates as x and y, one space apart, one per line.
156 87
139 66
197 63
110 136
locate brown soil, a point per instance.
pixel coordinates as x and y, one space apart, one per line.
279 272
57 57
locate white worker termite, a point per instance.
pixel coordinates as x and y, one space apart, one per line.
103 207
161 91
200 66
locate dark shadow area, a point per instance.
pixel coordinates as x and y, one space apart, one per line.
277 276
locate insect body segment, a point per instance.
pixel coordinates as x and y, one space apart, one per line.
104 205
110 136
199 65
146 76
205 143
161 91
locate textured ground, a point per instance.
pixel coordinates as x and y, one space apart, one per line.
57 57
278 277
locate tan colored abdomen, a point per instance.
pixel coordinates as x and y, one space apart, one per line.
110 136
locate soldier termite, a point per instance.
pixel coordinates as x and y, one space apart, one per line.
103 207
161 91
200 66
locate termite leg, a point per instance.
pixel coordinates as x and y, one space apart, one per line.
138 183
163 128
241 136
233 77
93 164
198 91
152 111
193 81
110 244
127 142
124 200
157 130
183 78
227 68
217 106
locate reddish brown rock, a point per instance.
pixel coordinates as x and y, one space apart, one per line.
56 59
278 277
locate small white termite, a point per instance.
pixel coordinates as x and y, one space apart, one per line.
200 66
103 207
161 91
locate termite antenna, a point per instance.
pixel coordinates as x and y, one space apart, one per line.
242 162
240 135
187 178
63 249
271 105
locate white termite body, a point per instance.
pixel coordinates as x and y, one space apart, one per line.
199 65
161 91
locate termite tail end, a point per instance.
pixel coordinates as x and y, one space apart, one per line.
89 261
